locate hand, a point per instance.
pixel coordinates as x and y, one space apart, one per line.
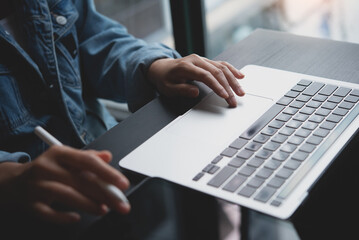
171 77
60 176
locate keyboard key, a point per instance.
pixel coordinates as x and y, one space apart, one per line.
313 104
234 183
322 112
300 156
346 105
245 154
320 132
328 125
288 148
340 111
264 154
303 98
271 146
352 99
342 92
290 111
276 182
313 89
307 110
207 168
262 121
198 176
294 124
276 124
261 138
269 131
217 159
301 117
222 176
254 146
310 125
236 162
265 194
283 117
334 118
284 173
292 164
255 182
335 99
238 143
329 105
298 88
296 140
272 164
264 173
320 98
316 118
303 133
314 140
247 170
255 162
279 138
287 131
280 156
304 82
285 101
292 94
327 90
355 92
307 147
229 152
213 170
297 104
247 191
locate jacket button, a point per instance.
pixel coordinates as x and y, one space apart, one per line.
61 20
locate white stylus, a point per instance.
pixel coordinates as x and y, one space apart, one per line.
51 140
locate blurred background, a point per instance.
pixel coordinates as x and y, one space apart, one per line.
208 27
228 21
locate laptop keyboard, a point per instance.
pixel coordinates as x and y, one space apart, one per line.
270 158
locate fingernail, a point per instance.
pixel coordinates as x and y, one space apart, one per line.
232 101
124 206
104 209
241 91
241 75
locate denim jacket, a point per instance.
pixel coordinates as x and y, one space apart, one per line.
73 55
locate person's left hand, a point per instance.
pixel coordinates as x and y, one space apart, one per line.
171 76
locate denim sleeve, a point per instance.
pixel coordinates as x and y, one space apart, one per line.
19 157
114 63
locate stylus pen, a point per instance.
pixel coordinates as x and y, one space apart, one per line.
51 140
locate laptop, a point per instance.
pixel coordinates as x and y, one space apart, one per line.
265 154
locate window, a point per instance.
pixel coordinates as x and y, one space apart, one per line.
146 19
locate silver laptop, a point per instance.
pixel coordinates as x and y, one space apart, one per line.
266 153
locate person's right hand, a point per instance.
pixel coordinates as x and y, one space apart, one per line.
61 176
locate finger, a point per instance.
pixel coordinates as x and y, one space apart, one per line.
100 192
216 72
104 155
219 76
50 192
230 73
182 89
235 71
87 161
47 213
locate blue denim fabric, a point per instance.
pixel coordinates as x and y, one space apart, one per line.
73 55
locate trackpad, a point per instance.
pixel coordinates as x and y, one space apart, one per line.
213 121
